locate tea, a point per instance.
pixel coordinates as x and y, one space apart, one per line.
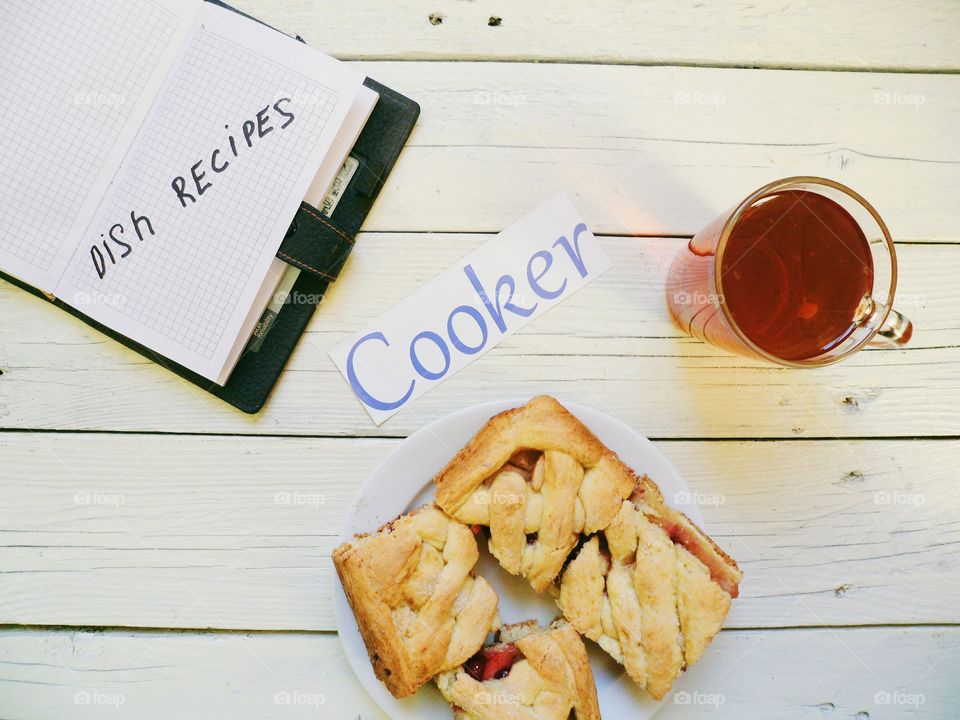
794 273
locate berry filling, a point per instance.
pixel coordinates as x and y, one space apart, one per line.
525 459
492 663
680 535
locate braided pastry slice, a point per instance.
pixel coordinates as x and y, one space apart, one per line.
531 673
418 605
538 479
651 589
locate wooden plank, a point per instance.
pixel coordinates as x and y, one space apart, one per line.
612 345
232 532
662 151
816 33
785 674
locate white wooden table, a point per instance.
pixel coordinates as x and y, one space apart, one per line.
150 566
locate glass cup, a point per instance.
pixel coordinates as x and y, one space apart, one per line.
695 285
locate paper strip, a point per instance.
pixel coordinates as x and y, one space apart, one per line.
467 309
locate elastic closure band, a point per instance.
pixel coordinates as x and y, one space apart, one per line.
316 244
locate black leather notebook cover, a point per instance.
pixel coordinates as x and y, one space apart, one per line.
318 245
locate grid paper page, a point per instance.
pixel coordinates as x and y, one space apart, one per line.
181 289
74 73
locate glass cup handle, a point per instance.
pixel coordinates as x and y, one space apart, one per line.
896 331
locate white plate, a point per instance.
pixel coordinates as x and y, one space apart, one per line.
403 482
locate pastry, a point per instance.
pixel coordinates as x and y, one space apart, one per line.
538 479
419 607
651 589
636 576
530 673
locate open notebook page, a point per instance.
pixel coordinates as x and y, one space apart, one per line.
78 78
244 120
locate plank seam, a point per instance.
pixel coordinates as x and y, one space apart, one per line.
33 627
811 67
655 438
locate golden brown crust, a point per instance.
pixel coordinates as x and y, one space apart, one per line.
538 478
418 606
701 605
647 585
541 424
723 568
553 679
648 600
655 582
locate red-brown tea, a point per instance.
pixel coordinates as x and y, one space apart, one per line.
795 269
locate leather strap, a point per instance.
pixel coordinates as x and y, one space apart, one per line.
316 244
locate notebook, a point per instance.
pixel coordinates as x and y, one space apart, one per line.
157 153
